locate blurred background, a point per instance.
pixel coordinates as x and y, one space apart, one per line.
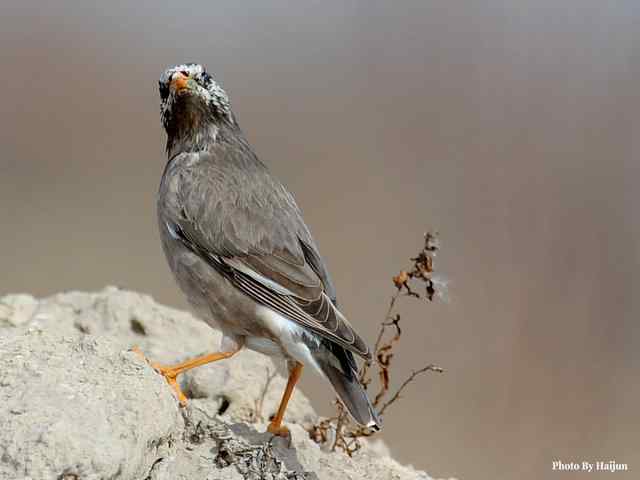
510 127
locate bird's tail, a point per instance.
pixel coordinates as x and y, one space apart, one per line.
339 366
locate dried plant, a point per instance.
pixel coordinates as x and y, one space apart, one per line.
259 402
340 430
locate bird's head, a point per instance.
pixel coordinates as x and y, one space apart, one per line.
192 105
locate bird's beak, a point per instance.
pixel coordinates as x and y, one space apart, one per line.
179 82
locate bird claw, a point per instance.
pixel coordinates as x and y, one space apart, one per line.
280 431
172 380
168 373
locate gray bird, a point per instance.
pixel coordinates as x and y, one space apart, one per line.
241 252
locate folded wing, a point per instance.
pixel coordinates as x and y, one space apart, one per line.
259 241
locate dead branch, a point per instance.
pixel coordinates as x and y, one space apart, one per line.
259 403
414 374
342 416
346 433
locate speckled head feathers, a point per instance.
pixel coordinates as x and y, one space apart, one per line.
200 90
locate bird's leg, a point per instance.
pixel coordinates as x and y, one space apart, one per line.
170 373
276 427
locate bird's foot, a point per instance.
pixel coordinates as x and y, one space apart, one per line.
278 430
169 374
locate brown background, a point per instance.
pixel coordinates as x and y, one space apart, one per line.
512 127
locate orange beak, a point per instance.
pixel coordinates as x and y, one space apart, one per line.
179 82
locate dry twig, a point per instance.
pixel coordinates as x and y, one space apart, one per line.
259 403
340 428
414 374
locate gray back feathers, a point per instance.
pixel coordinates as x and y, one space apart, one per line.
228 208
222 203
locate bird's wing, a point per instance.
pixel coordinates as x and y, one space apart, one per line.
245 224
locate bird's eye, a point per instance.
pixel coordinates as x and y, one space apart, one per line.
184 72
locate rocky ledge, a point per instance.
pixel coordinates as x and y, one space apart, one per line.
77 404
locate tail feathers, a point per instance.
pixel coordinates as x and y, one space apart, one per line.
339 366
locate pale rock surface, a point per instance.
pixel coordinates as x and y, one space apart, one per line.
77 404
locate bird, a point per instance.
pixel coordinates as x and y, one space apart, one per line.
241 252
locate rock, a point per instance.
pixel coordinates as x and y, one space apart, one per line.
80 407
17 310
76 403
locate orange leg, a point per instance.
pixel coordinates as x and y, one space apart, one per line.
171 373
276 427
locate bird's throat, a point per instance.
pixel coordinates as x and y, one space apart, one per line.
191 129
